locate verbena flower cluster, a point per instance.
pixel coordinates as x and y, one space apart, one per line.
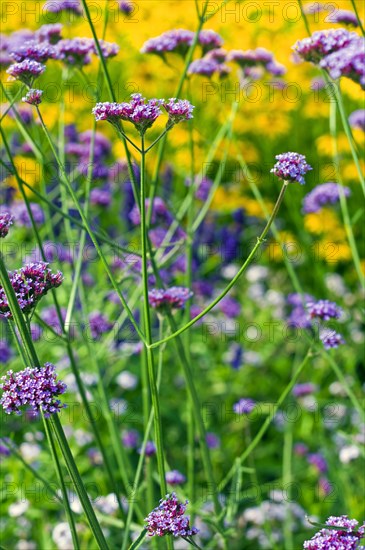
330 338
260 57
26 71
169 519
346 17
174 297
33 97
30 284
338 51
142 112
291 167
322 195
324 310
34 50
6 220
347 538
180 40
36 387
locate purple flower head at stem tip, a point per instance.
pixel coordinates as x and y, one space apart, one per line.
344 17
291 167
178 110
323 43
174 297
126 7
324 310
26 71
6 220
348 62
33 97
330 338
36 387
208 67
33 50
169 519
244 406
321 195
30 283
174 477
347 538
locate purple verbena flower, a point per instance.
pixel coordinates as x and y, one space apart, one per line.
357 119
5 351
98 324
57 6
318 461
169 519
347 538
75 51
30 283
36 387
21 216
176 40
26 71
174 297
139 111
32 50
207 67
348 62
291 167
244 406
49 33
6 220
130 439
33 97
324 310
323 43
307 388
210 40
175 478
125 7
345 17
100 197
229 307
150 449
109 49
321 195
330 338
212 440
159 213
300 449
178 110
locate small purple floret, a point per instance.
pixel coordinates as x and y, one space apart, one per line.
33 97
244 406
347 538
324 310
330 338
26 71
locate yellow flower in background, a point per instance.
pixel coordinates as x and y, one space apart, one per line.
28 170
350 173
321 222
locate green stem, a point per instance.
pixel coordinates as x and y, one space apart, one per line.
77 481
358 17
243 268
147 321
66 503
343 200
348 133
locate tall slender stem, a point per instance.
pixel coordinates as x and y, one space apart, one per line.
147 322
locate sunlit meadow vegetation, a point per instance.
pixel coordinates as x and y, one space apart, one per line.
182 274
